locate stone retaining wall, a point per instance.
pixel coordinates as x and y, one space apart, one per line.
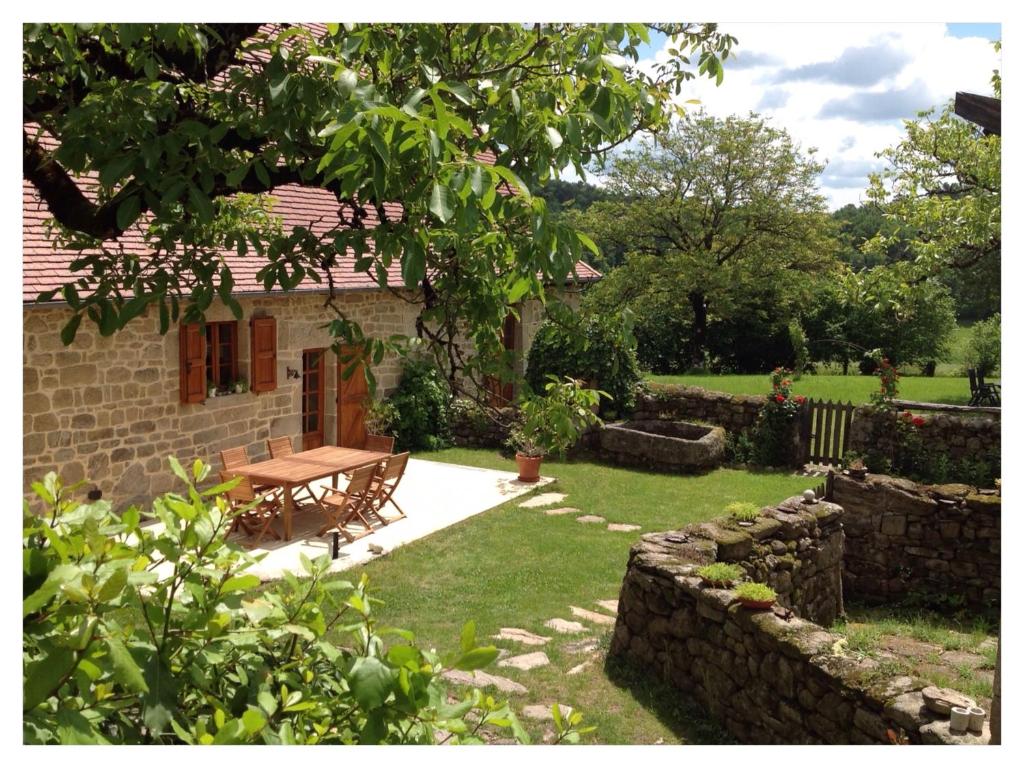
768 676
903 538
670 402
957 437
471 428
667 446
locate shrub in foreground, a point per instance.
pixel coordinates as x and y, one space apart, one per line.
139 634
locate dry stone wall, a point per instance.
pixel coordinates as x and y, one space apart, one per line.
905 539
956 437
669 402
773 676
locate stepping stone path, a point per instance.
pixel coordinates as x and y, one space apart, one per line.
623 527
526 661
543 500
612 606
543 711
520 636
586 645
565 627
580 667
483 679
562 511
590 519
592 616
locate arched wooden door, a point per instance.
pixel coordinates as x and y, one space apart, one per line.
352 399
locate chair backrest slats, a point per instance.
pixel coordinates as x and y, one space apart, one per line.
234 457
361 478
280 446
242 492
973 377
394 466
382 443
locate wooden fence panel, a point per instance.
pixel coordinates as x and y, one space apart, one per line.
826 431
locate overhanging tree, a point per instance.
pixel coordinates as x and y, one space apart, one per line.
713 212
184 128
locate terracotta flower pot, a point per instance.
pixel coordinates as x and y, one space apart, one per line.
756 605
529 467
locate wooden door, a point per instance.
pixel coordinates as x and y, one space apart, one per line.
313 387
353 395
502 394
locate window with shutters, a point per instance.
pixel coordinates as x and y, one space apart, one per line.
222 355
263 338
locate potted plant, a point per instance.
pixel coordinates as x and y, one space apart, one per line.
755 595
241 386
720 575
856 468
211 389
743 512
551 424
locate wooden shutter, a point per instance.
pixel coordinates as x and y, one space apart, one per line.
192 363
263 337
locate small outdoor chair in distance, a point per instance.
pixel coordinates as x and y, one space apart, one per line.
282 446
239 457
257 519
384 485
343 508
381 443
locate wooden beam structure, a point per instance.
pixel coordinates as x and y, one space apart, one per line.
981 110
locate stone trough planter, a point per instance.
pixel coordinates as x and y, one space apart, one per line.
670 446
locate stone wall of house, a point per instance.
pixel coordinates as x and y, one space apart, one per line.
957 437
670 402
472 428
904 539
108 410
771 676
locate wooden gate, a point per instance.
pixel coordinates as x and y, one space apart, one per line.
825 431
353 396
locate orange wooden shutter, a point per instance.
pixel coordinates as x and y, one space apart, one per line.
192 363
264 354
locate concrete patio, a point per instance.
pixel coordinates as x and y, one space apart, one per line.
434 495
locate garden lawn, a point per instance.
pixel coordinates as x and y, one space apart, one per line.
513 567
856 389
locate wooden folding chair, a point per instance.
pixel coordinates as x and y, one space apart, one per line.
381 443
239 457
384 485
343 508
255 512
282 446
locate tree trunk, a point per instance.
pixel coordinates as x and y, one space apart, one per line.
698 342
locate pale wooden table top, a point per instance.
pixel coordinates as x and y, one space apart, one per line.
306 466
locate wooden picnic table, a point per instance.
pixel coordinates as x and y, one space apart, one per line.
304 467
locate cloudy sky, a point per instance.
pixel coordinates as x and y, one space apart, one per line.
845 88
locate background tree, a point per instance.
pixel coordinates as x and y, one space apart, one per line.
719 216
173 121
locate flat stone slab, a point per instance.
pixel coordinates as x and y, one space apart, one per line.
581 666
543 711
623 527
483 679
586 645
565 627
592 616
938 733
590 519
543 500
612 606
941 700
526 661
520 636
562 511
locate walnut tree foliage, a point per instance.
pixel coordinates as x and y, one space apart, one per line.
186 127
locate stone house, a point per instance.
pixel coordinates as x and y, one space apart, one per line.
110 409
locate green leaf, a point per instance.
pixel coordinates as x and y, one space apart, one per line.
371 682
414 264
177 469
554 137
242 583
440 202
347 81
201 203
42 676
126 670
128 211
477 658
67 333
253 720
467 640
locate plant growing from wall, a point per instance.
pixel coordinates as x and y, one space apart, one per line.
743 511
755 594
720 574
135 634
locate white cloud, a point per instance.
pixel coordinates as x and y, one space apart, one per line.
843 87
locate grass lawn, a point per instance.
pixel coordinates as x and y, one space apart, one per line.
948 651
953 390
513 567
